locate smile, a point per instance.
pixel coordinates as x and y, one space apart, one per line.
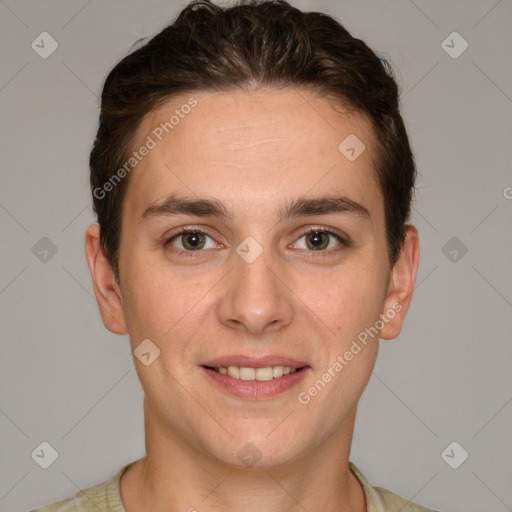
261 374
256 383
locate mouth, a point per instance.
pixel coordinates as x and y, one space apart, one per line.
256 378
261 374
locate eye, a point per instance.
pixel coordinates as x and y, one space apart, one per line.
319 239
190 240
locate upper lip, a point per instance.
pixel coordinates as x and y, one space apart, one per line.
254 362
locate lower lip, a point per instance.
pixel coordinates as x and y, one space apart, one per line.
255 389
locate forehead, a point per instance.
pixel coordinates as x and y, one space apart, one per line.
260 144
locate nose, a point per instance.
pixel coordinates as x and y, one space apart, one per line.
256 299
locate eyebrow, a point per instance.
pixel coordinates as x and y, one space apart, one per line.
301 207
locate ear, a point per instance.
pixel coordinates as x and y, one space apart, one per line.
106 289
401 285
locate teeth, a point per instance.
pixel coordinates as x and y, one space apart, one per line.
264 373
261 374
234 371
278 371
247 373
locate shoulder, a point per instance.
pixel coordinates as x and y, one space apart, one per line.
59 506
382 500
103 497
391 501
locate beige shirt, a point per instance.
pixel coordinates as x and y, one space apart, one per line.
106 497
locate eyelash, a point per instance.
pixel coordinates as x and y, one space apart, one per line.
193 254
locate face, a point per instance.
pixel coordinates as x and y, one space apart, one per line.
283 264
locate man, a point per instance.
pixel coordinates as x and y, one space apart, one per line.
252 180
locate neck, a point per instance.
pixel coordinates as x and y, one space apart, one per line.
174 475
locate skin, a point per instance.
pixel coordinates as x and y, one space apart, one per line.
252 151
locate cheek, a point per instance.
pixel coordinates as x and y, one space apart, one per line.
156 299
347 303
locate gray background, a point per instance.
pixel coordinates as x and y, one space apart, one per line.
64 379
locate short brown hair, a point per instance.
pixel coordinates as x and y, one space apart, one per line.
267 43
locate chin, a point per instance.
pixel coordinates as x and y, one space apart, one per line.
257 452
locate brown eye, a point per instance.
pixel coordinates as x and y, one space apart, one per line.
191 240
317 240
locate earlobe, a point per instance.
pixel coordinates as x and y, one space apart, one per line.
106 290
401 285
